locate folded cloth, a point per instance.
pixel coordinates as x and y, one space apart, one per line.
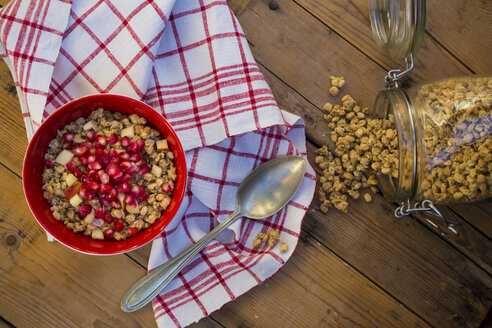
191 62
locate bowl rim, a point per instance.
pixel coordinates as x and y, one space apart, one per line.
178 147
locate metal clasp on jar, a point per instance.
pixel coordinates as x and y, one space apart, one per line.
428 207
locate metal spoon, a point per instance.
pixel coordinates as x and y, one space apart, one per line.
262 193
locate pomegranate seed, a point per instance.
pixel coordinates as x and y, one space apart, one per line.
112 139
124 187
90 135
113 170
104 160
95 166
135 157
115 160
79 150
68 136
86 144
115 204
92 174
133 169
133 147
100 213
83 160
90 195
124 155
130 200
125 165
67 145
108 233
49 162
113 194
133 231
103 176
140 144
118 225
143 197
166 187
100 152
135 190
98 222
141 162
91 158
93 185
113 152
125 141
71 166
78 173
104 188
104 201
85 179
127 178
108 218
118 177
101 141
84 210
144 169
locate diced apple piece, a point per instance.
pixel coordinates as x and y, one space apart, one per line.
89 217
121 198
76 200
97 234
64 157
128 132
70 179
156 170
89 125
73 189
132 210
162 145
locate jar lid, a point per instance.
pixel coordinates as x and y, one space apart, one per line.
398 26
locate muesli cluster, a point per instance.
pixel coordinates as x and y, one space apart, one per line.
363 147
458 139
457 132
108 176
271 237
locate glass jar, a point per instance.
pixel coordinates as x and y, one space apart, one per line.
444 128
444 132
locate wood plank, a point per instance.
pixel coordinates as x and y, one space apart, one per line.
477 215
463 27
5 324
47 284
13 139
351 20
317 289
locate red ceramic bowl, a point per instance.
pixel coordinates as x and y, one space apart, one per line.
34 166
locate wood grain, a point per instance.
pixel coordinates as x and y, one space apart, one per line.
464 28
350 19
13 140
478 215
317 289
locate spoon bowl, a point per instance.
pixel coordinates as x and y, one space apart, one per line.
261 194
270 186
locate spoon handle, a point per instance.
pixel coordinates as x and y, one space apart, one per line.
147 288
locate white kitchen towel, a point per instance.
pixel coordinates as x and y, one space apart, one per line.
191 62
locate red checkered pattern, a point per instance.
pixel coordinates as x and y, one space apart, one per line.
191 62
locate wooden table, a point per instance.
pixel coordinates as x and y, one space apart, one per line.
363 268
